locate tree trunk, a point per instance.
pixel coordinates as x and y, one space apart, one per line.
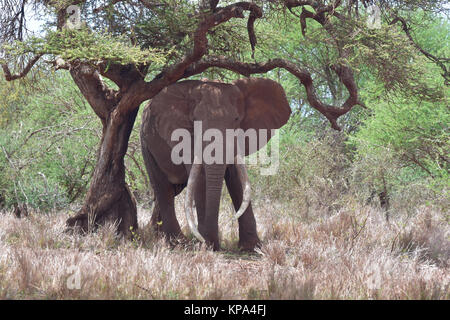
108 197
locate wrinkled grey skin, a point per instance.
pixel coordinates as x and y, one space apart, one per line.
246 103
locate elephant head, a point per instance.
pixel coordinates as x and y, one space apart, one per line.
251 103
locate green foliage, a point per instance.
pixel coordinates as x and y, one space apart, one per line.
399 144
312 179
168 26
389 56
86 45
13 94
48 149
403 147
417 132
402 143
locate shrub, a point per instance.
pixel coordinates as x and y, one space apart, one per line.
48 152
311 179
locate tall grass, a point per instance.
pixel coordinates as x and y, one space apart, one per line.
352 254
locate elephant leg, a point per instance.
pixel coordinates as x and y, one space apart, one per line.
156 216
248 237
163 217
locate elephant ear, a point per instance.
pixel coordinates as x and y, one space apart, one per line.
265 104
172 109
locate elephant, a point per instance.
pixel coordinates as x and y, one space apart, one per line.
248 103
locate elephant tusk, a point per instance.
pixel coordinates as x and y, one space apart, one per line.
245 182
189 200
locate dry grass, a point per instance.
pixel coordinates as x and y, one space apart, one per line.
352 254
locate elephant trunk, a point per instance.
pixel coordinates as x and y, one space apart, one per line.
245 182
214 180
189 200
214 174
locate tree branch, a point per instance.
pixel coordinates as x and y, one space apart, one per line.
142 90
30 64
439 61
101 98
332 113
122 75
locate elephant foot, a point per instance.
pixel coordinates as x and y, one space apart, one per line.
249 245
213 242
215 246
172 233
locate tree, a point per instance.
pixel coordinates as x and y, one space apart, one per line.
150 44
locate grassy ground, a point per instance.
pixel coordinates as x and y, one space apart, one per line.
353 254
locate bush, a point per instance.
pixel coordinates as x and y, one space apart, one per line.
402 149
312 176
48 149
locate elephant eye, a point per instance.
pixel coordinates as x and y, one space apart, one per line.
236 119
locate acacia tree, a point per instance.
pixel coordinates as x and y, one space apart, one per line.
126 51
